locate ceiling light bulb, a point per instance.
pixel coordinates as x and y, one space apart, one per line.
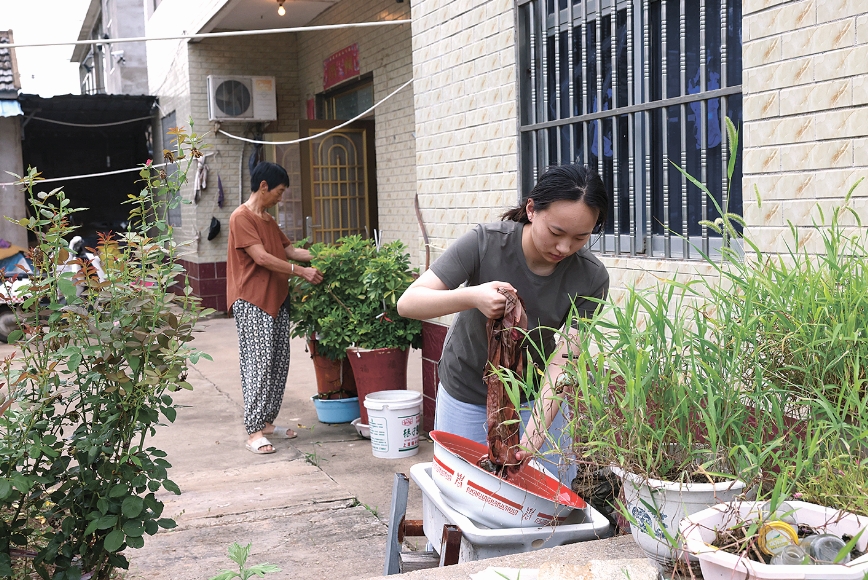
281 10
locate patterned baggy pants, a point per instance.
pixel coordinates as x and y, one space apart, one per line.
263 345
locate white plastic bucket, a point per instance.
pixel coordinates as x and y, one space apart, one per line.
394 418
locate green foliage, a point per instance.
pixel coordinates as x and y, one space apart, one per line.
653 394
356 302
239 554
832 476
78 481
757 367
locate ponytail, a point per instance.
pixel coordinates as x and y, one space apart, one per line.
516 214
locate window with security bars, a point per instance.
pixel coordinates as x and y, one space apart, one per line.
636 89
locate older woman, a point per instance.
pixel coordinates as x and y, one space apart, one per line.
257 270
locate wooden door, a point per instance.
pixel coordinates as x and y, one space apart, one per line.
338 178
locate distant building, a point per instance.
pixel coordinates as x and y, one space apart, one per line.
11 200
113 69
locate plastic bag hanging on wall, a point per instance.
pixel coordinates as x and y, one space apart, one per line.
213 229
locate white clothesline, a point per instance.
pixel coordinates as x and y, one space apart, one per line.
91 125
207 34
85 176
327 131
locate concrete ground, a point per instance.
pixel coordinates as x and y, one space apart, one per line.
317 507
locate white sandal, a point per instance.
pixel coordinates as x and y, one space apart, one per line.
283 432
257 444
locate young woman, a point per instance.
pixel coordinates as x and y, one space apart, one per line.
538 250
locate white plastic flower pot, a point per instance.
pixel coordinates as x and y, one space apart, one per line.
659 506
699 530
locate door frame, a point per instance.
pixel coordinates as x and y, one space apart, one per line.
307 127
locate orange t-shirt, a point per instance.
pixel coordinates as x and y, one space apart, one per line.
245 279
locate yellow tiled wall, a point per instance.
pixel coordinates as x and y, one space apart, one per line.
806 123
466 114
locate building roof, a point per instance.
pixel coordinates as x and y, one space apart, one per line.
9 81
80 51
85 109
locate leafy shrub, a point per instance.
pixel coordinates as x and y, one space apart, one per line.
356 302
98 359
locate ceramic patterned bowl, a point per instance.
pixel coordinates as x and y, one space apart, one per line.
532 499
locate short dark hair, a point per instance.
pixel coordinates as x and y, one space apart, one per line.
571 182
271 173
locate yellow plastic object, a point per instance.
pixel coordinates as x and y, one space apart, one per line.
774 536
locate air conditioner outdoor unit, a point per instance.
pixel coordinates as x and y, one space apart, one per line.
241 98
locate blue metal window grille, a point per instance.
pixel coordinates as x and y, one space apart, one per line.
633 88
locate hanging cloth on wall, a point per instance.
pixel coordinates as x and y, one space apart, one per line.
258 154
201 180
505 337
213 229
220 196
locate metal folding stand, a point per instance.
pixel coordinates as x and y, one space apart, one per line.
399 561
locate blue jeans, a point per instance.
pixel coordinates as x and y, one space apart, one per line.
470 421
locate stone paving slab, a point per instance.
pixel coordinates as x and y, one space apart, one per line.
250 489
331 540
620 547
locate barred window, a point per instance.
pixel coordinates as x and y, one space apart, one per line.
634 88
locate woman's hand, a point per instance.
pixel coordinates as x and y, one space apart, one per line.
489 300
311 274
528 448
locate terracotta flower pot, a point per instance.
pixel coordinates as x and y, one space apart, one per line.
381 369
332 376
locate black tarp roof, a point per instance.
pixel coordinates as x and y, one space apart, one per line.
87 109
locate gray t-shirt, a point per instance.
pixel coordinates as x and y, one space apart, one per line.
493 252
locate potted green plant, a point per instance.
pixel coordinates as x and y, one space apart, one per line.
310 303
805 319
820 491
653 401
379 338
353 311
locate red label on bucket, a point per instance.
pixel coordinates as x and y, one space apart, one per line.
442 470
410 432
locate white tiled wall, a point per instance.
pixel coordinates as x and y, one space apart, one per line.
466 116
806 84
